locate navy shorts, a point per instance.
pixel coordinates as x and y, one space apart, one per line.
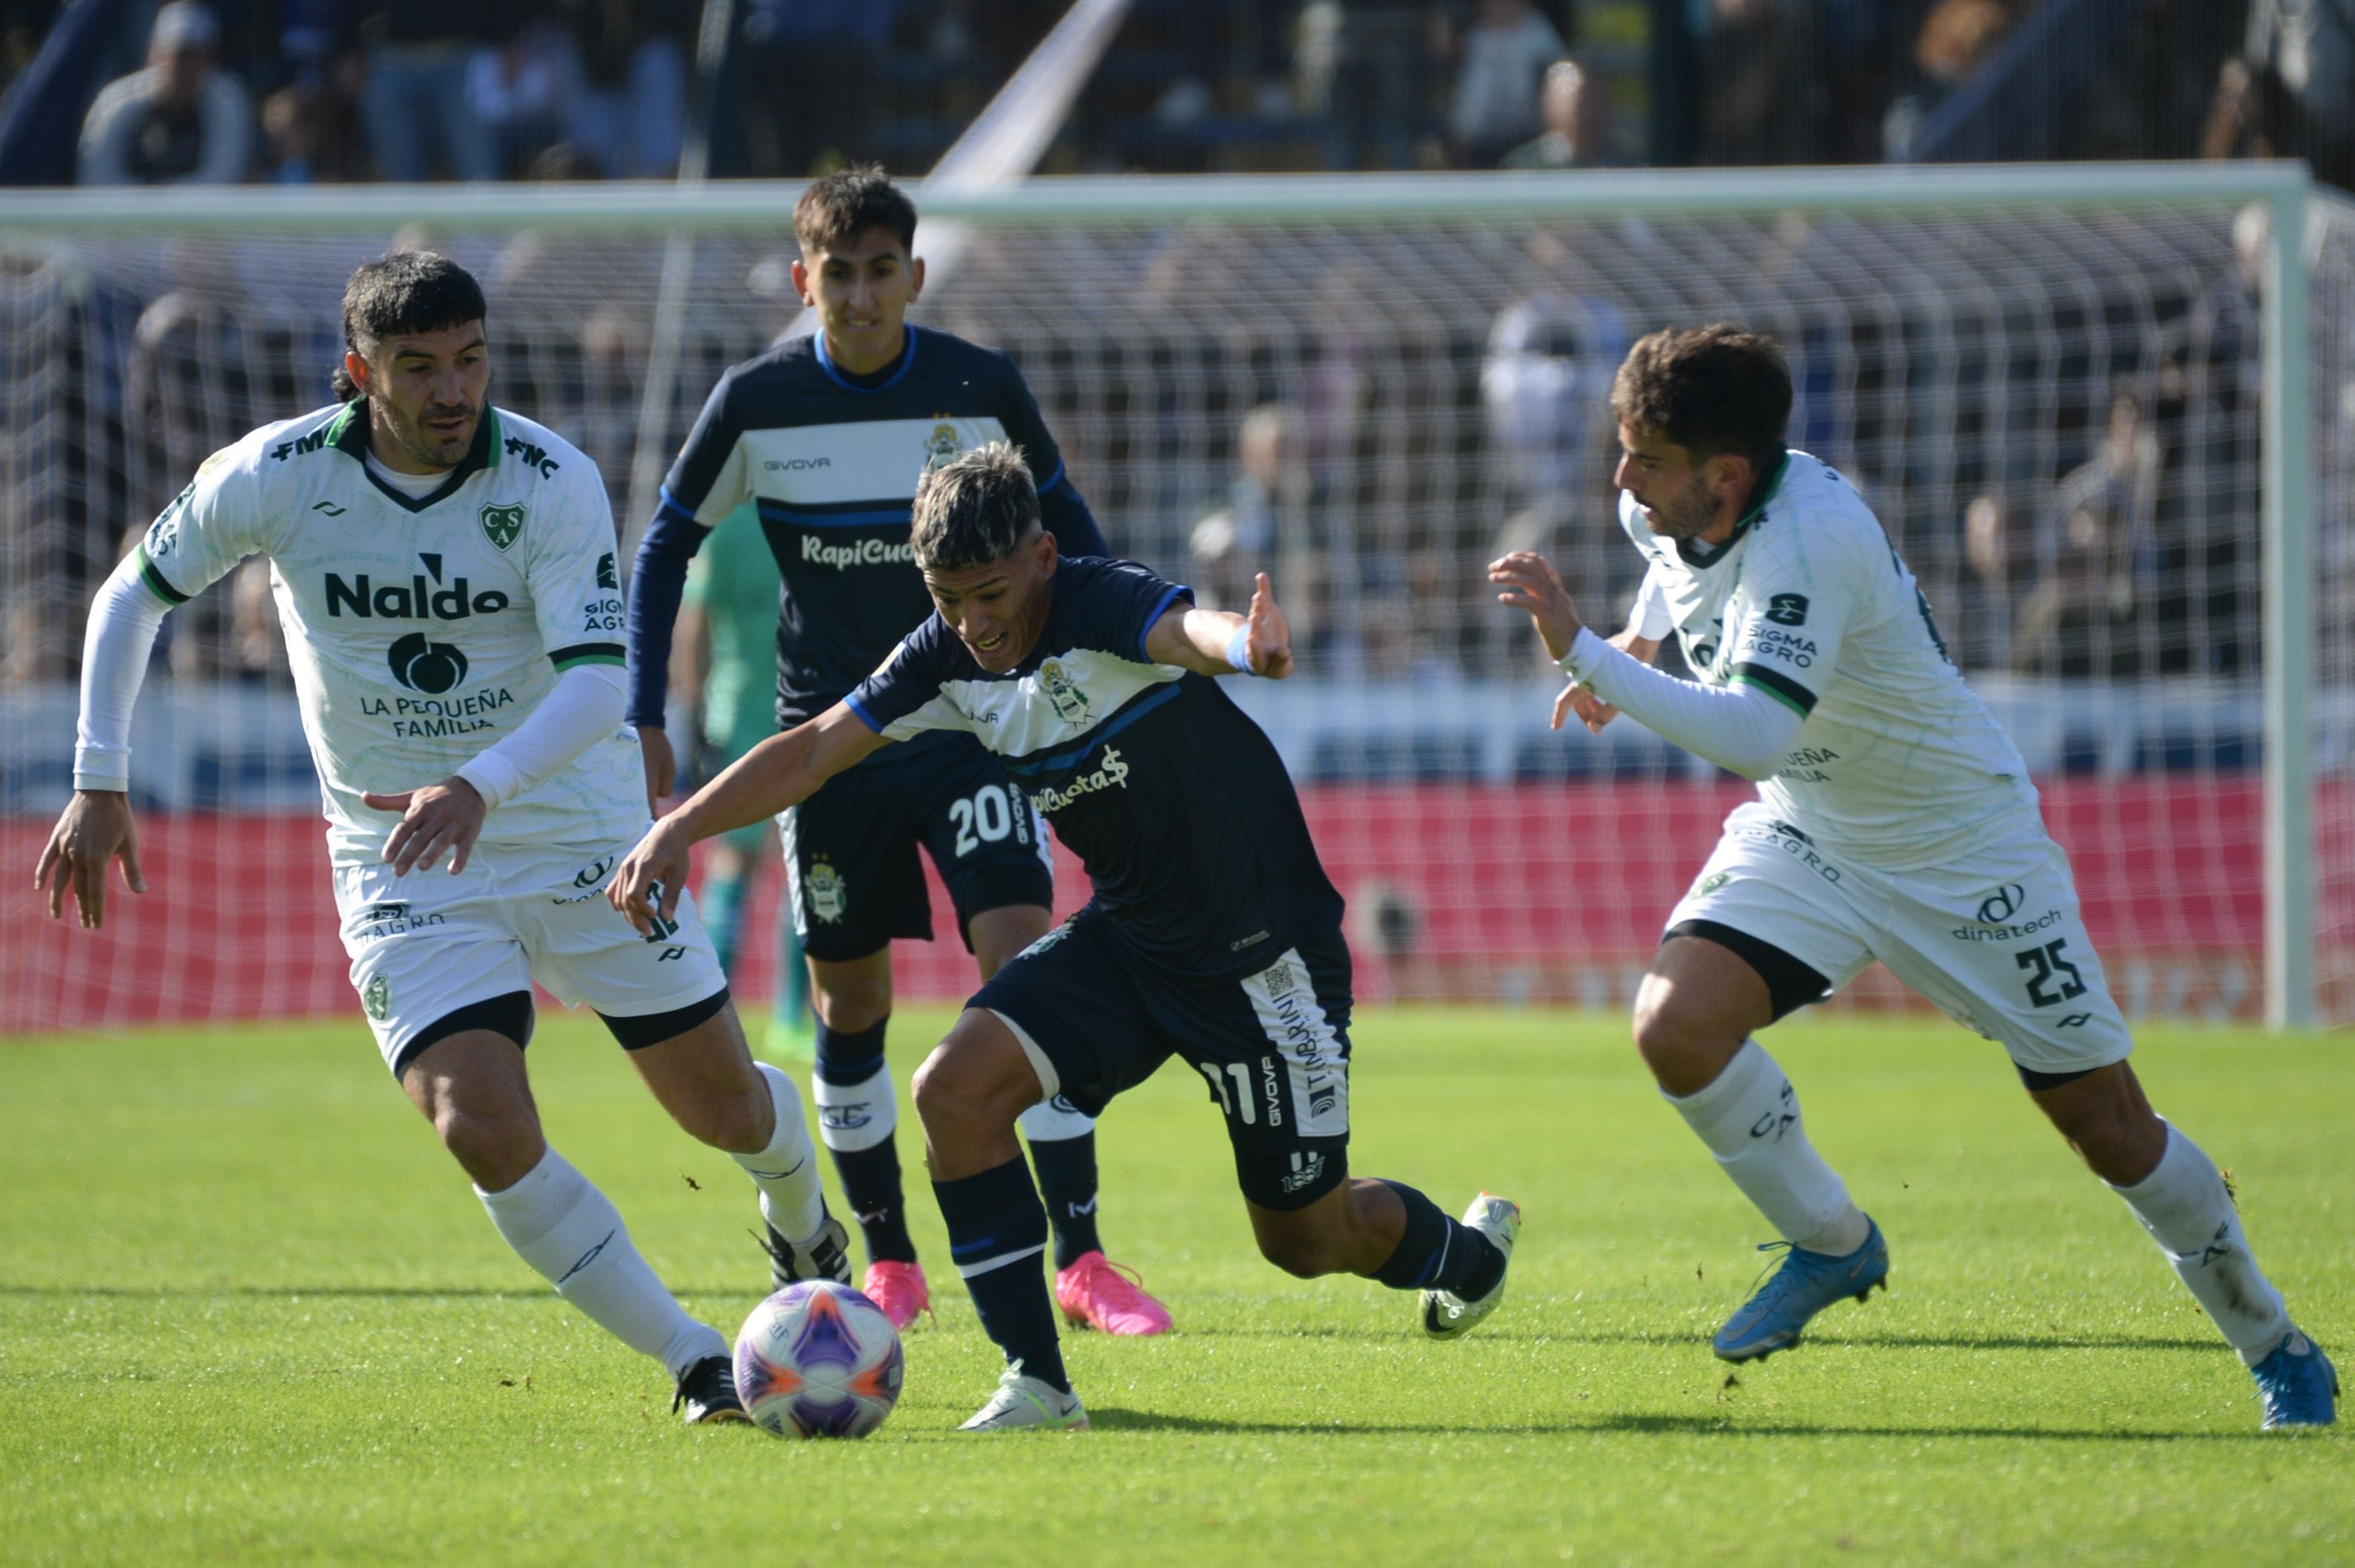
850 849
1272 1047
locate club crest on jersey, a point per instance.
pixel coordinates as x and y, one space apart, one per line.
1070 702
501 525
942 448
376 997
823 891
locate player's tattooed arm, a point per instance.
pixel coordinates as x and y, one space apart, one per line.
782 770
1209 642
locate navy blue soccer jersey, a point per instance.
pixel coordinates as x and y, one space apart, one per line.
1173 799
832 461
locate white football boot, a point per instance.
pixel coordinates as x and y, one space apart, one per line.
1445 1315
1026 1404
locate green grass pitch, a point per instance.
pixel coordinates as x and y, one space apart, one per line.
248 1311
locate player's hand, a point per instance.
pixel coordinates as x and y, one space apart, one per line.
447 815
1268 645
647 886
662 766
1532 583
95 828
1591 711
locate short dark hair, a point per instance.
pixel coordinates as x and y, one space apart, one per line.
973 509
1711 390
848 202
408 291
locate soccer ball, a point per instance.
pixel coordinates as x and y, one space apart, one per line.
819 1359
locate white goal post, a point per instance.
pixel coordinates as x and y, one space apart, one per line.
1190 222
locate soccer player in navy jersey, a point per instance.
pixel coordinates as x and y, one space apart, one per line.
827 435
1213 934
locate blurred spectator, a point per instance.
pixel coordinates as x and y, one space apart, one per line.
2290 92
1505 53
804 75
180 121
1363 68
1957 38
1767 97
290 137
2097 560
1273 519
420 114
1980 638
523 93
1575 131
628 110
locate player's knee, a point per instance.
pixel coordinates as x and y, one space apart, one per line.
851 1002
495 1144
1664 1028
1302 1254
735 1123
950 1089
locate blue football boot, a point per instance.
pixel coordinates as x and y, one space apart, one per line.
2297 1385
1807 1282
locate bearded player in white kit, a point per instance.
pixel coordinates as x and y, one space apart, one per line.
445 573
1895 821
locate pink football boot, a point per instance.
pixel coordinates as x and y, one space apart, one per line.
899 1289
1096 1293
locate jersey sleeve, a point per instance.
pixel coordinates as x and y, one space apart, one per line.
1110 604
575 583
707 480
1651 619
1797 598
208 528
1061 507
903 698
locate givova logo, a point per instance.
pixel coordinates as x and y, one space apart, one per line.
427 666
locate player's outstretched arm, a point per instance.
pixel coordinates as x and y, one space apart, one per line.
1218 642
1585 702
1531 583
95 829
782 770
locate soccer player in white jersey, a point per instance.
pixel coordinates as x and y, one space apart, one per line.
1895 821
445 573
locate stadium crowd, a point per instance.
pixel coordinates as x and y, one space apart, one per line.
296 91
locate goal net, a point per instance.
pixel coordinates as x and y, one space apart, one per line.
2054 387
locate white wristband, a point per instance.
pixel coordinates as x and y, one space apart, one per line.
1238 649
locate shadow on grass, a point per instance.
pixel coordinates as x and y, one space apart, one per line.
1113 1418
1528 1336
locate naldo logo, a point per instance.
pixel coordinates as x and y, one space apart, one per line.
427 666
422 598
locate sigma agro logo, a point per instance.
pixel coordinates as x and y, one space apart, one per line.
392 917
606 579
502 525
430 667
824 892
421 598
164 533
1069 702
376 997
1787 609
859 552
1113 774
941 446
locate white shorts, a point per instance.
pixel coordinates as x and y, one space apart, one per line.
1995 942
428 943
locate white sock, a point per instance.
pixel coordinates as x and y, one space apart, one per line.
786 1171
2184 1204
1050 1122
854 1116
558 1223
1749 1118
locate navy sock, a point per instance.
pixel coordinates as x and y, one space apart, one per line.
870 1175
1067 1179
997 1231
1440 1253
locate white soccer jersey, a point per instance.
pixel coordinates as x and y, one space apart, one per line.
1899 764
421 630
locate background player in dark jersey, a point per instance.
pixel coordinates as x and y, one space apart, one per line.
827 436
1213 934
